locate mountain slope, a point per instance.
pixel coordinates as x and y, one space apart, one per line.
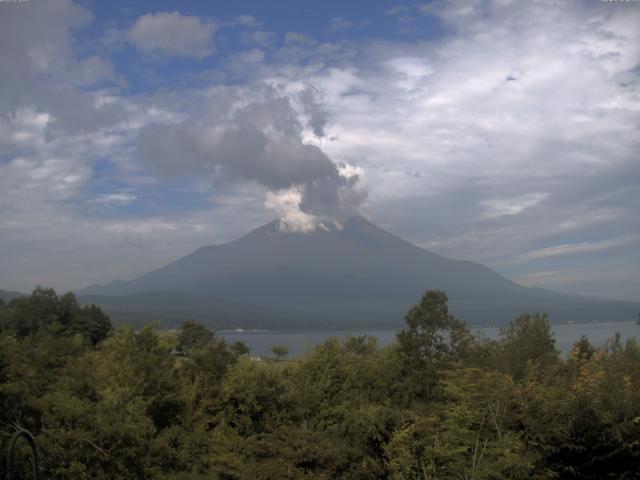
8 295
359 270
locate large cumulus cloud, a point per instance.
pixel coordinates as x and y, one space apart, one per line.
260 141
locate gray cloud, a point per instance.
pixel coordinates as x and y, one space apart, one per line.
41 72
248 21
173 34
261 38
260 142
316 111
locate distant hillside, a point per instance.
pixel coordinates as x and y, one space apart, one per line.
170 309
359 273
8 295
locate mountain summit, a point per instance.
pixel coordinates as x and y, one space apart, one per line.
356 272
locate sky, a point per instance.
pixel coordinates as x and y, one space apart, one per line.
498 131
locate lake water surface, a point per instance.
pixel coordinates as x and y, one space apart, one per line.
300 342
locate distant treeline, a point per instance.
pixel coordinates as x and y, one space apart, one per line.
439 403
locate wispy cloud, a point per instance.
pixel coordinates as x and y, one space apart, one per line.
576 248
497 207
116 199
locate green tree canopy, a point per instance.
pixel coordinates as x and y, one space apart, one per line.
432 337
44 312
193 335
528 338
280 351
438 403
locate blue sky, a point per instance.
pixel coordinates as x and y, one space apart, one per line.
497 131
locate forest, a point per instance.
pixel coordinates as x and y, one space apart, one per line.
439 403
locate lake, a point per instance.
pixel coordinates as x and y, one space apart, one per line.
300 342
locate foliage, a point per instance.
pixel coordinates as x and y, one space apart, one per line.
45 313
280 351
193 336
432 339
438 403
527 339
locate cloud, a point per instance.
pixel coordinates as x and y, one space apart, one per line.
603 279
258 140
576 248
321 204
42 71
286 203
316 111
261 38
411 70
252 56
397 10
497 207
298 38
173 34
248 21
115 199
340 24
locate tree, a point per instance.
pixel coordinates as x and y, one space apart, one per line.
45 313
432 338
27 315
201 375
139 364
361 345
240 348
280 351
67 307
193 335
527 339
255 398
582 349
92 323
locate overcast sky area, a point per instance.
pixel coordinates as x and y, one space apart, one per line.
503 132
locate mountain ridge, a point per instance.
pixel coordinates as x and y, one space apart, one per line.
8 295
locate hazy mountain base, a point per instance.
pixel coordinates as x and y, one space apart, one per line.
438 403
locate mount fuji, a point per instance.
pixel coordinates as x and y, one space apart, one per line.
356 275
